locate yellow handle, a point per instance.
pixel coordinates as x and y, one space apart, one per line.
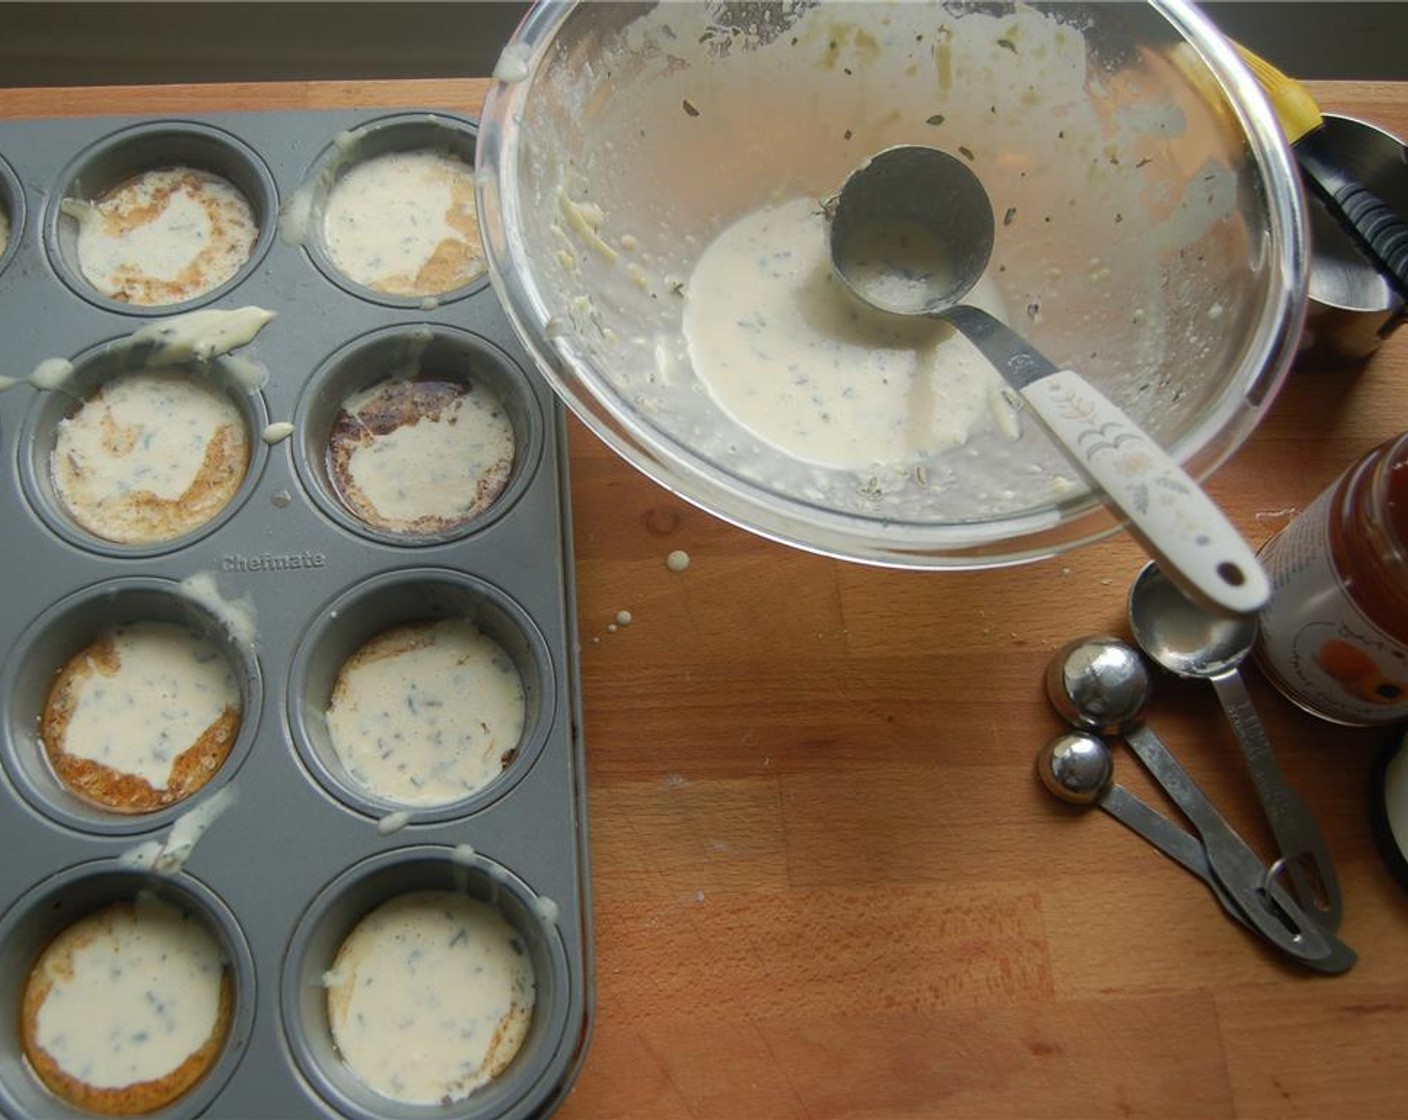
1295 108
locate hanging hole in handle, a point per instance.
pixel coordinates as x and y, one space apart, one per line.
1279 912
1275 908
1231 574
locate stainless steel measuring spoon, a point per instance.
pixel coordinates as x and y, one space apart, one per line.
1078 767
1101 684
1188 640
911 232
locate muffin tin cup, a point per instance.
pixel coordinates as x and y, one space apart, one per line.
410 351
92 368
288 584
393 599
146 147
53 905
59 633
12 205
302 219
361 889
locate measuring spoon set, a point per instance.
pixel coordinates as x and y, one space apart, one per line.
1101 686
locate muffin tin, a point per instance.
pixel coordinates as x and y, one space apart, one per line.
287 853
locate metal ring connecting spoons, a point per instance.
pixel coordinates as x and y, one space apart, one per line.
911 232
1180 635
1101 685
1079 768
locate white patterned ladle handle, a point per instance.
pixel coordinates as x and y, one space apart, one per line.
1168 511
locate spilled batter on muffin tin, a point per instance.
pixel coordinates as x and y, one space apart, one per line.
150 457
427 713
420 456
127 1008
141 717
430 996
165 236
405 223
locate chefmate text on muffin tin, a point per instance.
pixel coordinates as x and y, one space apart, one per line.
284 576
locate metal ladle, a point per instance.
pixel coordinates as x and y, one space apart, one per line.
1079 768
1101 685
1184 638
911 232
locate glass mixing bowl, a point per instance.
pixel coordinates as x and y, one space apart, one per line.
1150 234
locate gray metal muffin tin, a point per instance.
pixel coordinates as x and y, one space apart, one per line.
300 853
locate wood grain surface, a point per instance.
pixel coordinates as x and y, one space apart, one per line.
827 883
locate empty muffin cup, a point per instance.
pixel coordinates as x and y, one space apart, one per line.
160 215
427 981
417 435
388 211
134 455
126 700
124 993
424 692
11 213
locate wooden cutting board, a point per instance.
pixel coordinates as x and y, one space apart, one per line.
827 883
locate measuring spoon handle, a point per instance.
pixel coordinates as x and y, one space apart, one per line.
1180 846
1304 853
1228 855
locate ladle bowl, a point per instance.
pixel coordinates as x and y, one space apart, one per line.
911 230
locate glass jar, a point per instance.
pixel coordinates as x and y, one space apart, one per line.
1334 638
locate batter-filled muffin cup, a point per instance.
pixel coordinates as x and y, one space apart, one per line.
127 1008
139 453
425 714
161 215
405 223
418 434
126 700
130 995
421 692
389 210
420 455
149 457
425 977
141 717
430 996
164 236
